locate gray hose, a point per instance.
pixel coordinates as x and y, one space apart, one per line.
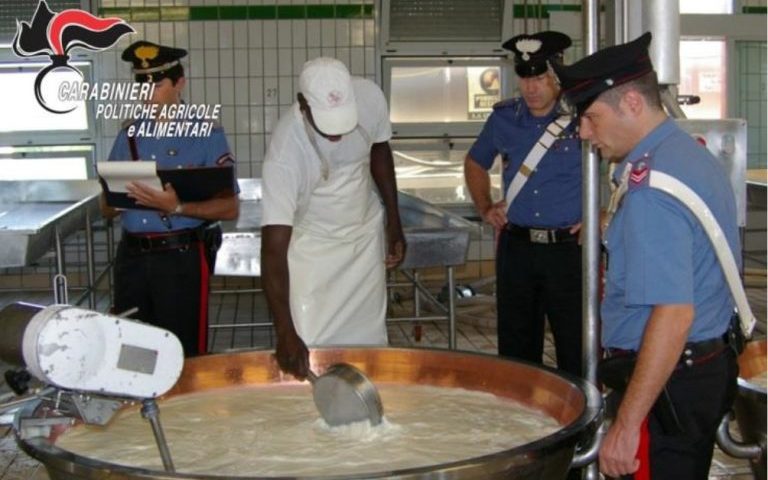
733 447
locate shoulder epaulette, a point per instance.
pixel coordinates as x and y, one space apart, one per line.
507 103
640 173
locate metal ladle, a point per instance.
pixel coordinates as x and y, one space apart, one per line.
343 395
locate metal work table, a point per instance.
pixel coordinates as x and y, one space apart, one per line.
36 216
435 238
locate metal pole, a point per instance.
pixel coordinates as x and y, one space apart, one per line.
525 16
590 227
90 261
60 293
625 21
416 297
151 412
417 329
110 257
539 16
451 310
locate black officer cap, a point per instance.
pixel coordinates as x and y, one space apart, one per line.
610 67
153 62
533 51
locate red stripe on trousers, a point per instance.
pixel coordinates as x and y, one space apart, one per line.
202 325
644 453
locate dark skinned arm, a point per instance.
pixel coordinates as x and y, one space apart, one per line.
291 351
383 173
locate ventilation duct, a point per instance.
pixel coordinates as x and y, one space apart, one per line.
445 26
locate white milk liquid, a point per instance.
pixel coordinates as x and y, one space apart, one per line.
761 380
276 431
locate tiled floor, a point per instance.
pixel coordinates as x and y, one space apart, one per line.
475 332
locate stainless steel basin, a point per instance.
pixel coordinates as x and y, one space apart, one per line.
435 237
32 212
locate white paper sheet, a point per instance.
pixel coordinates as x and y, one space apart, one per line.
119 174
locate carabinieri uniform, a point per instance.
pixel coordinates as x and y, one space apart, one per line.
538 262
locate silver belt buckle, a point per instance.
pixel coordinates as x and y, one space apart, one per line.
538 235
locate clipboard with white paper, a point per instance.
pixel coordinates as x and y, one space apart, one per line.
115 176
192 184
118 174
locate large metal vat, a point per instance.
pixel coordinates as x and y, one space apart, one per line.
575 404
750 405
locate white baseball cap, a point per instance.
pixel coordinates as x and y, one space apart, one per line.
327 86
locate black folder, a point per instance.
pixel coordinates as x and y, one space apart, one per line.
193 184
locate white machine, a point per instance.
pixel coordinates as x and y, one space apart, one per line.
91 364
90 352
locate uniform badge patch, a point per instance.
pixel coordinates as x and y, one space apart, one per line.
639 172
225 159
527 46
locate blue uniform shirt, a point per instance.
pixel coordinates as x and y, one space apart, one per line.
170 152
658 252
551 198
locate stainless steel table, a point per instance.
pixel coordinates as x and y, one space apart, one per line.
435 237
36 216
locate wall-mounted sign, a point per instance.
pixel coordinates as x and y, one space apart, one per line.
484 90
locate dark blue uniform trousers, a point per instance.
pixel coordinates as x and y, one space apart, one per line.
170 289
533 281
701 395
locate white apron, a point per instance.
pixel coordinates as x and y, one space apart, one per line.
336 258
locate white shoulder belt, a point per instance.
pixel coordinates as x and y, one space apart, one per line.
696 205
553 130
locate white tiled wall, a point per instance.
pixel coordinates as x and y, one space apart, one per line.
250 67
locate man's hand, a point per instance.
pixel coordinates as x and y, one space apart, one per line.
163 200
574 229
107 211
663 341
292 355
395 246
619 450
479 186
496 215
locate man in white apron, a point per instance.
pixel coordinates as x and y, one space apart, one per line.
326 240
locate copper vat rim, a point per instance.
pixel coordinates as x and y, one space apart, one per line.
576 431
752 361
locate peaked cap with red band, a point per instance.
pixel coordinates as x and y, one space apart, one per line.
583 81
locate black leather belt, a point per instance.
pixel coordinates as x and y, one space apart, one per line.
700 352
543 236
694 353
161 241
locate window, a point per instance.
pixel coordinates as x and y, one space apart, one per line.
707 6
703 73
63 162
444 94
434 97
17 95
